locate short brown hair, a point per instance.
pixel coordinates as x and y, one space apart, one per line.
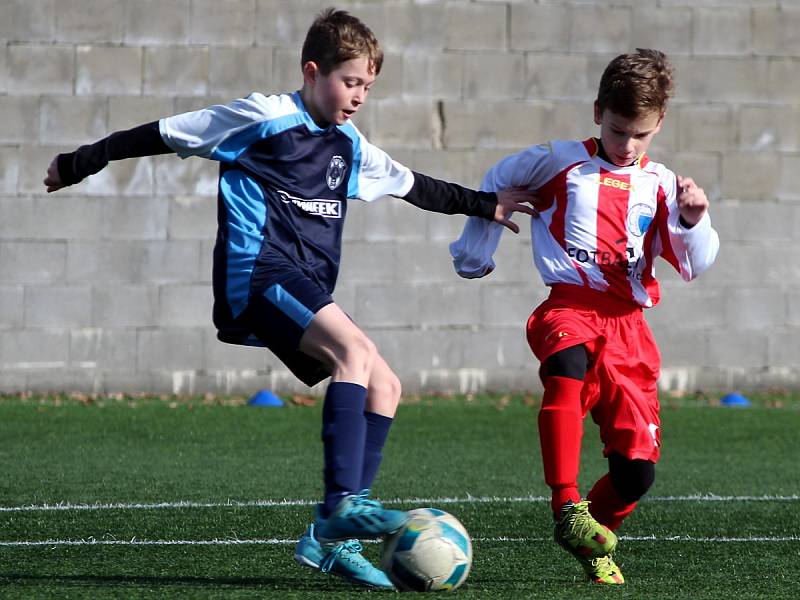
336 36
635 84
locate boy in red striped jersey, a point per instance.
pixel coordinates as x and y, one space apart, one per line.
605 213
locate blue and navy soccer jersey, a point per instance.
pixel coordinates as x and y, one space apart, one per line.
284 184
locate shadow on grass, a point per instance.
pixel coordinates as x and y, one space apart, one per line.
276 583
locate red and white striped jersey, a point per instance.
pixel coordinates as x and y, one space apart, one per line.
600 226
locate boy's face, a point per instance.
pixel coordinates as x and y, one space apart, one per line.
625 139
336 97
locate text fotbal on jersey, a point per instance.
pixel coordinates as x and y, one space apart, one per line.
321 207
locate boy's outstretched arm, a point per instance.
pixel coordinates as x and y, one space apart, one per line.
451 198
72 167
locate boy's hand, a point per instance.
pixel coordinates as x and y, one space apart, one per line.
510 201
692 201
53 179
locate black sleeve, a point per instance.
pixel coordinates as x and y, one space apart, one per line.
144 140
450 198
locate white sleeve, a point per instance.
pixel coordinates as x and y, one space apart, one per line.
378 175
200 132
474 250
696 248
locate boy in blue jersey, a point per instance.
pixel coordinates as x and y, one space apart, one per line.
288 165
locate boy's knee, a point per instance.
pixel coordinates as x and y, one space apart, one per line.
631 478
570 362
359 354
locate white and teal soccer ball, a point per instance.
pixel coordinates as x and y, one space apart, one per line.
431 553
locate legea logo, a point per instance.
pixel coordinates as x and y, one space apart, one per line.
321 207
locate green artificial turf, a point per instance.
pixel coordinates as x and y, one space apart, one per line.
108 477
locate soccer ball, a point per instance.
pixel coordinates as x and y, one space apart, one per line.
431 553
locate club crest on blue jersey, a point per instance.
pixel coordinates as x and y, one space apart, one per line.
336 170
639 218
321 207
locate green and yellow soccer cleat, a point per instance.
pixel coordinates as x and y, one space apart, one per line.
602 570
580 534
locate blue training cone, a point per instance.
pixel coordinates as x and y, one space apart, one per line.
265 398
734 399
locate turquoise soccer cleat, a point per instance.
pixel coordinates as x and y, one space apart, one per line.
356 516
341 558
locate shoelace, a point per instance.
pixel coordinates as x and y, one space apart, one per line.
579 521
349 548
362 500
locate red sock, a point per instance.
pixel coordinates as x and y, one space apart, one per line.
560 433
607 507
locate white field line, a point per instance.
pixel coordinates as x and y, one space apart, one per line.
287 542
467 499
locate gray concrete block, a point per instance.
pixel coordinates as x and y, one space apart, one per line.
559 76
789 185
689 306
687 347
19 119
185 305
704 168
600 29
783 80
134 219
704 128
49 218
206 260
28 20
124 178
387 305
750 175
762 309
108 70
390 82
775 30
448 304
471 26
125 112
9 171
32 262
68 120
237 72
540 27
723 32
34 69
413 26
155 22
773 128
494 75
286 73
666 29
229 23
728 80
191 217
404 123
170 71
392 219
229 358
285 22
513 124
103 349
170 349
368 262
498 348
122 305
11 306
132 262
95 21
28 349
432 75
448 165
58 306
424 262
508 305
735 349
193 176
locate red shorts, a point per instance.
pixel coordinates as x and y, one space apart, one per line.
620 386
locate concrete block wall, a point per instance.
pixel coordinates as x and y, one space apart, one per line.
105 286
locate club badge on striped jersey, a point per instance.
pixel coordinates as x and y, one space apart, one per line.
639 218
336 170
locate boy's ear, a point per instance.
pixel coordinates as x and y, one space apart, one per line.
598 114
310 72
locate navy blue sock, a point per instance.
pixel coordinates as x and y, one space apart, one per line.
377 432
344 431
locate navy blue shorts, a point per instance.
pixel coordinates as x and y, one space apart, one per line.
279 316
